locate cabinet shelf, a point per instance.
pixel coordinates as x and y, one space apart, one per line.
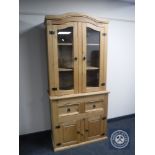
93 44
65 69
92 68
65 44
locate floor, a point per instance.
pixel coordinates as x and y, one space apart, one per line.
40 143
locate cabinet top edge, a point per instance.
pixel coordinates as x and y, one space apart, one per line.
71 14
78 95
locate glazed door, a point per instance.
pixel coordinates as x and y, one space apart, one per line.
94 58
65 58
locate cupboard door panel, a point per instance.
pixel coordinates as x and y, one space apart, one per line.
96 103
93 58
95 127
66 58
69 133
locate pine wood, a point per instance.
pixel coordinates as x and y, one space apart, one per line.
79 115
79 144
78 95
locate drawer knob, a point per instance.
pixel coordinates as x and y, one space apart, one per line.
94 106
86 130
68 110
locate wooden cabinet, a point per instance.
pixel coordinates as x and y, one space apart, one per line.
77 53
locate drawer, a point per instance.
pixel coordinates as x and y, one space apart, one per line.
69 101
68 109
94 98
94 105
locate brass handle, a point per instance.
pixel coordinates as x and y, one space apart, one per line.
75 58
84 58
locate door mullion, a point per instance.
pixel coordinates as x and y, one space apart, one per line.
84 49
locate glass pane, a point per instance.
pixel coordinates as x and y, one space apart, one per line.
92 78
93 54
93 36
65 58
65 35
65 80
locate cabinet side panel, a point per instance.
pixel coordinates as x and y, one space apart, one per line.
105 54
50 60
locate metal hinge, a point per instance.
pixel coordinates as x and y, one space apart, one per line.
103 118
58 144
57 127
54 89
51 32
104 34
103 134
102 84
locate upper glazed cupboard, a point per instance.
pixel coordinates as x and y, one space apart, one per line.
77 54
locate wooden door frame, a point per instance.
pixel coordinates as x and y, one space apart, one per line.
77 124
103 55
103 126
51 63
75 54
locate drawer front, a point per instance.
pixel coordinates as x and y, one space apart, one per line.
81 107
70 101
94 98
94 105
69 109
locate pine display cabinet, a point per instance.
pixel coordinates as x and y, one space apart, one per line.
77 59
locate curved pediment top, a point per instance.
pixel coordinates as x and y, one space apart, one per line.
75 15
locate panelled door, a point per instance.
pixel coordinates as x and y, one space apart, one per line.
65 58
67 133
93 60
95 127
76 131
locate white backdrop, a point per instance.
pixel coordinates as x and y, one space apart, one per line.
34 110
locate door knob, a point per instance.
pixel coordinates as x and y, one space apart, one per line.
84 58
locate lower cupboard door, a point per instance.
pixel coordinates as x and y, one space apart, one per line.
95 127
68 133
